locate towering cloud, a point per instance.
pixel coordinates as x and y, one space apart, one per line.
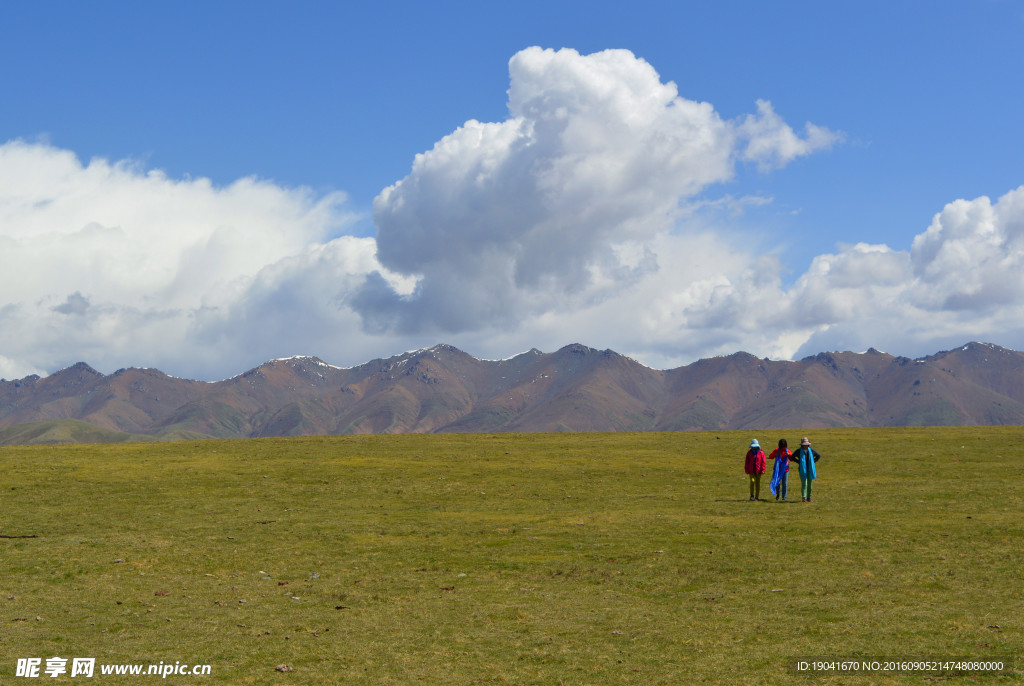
556 207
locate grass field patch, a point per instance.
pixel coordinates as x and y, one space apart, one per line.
557 558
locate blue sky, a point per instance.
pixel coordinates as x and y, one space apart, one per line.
321 106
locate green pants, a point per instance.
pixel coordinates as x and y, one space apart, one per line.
755 485
805 487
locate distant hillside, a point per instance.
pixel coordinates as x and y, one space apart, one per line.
64 431
573 389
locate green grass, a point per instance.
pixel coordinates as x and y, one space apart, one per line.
518 559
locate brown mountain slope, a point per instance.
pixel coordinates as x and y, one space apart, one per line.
573 389
998 369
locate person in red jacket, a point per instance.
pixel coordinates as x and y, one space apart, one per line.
754 465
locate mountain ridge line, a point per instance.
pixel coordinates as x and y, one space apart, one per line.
576 388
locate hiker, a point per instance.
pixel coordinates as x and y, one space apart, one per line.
754 465
805 457
780 473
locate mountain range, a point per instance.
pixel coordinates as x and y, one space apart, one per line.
443 389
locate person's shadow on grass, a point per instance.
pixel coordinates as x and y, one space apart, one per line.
748 500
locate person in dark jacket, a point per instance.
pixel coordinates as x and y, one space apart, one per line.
805 458
754 464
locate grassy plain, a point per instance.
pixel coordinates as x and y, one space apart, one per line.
518 559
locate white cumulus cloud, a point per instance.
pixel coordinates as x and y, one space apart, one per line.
505 221
960 280
772 143
972 254
117 265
